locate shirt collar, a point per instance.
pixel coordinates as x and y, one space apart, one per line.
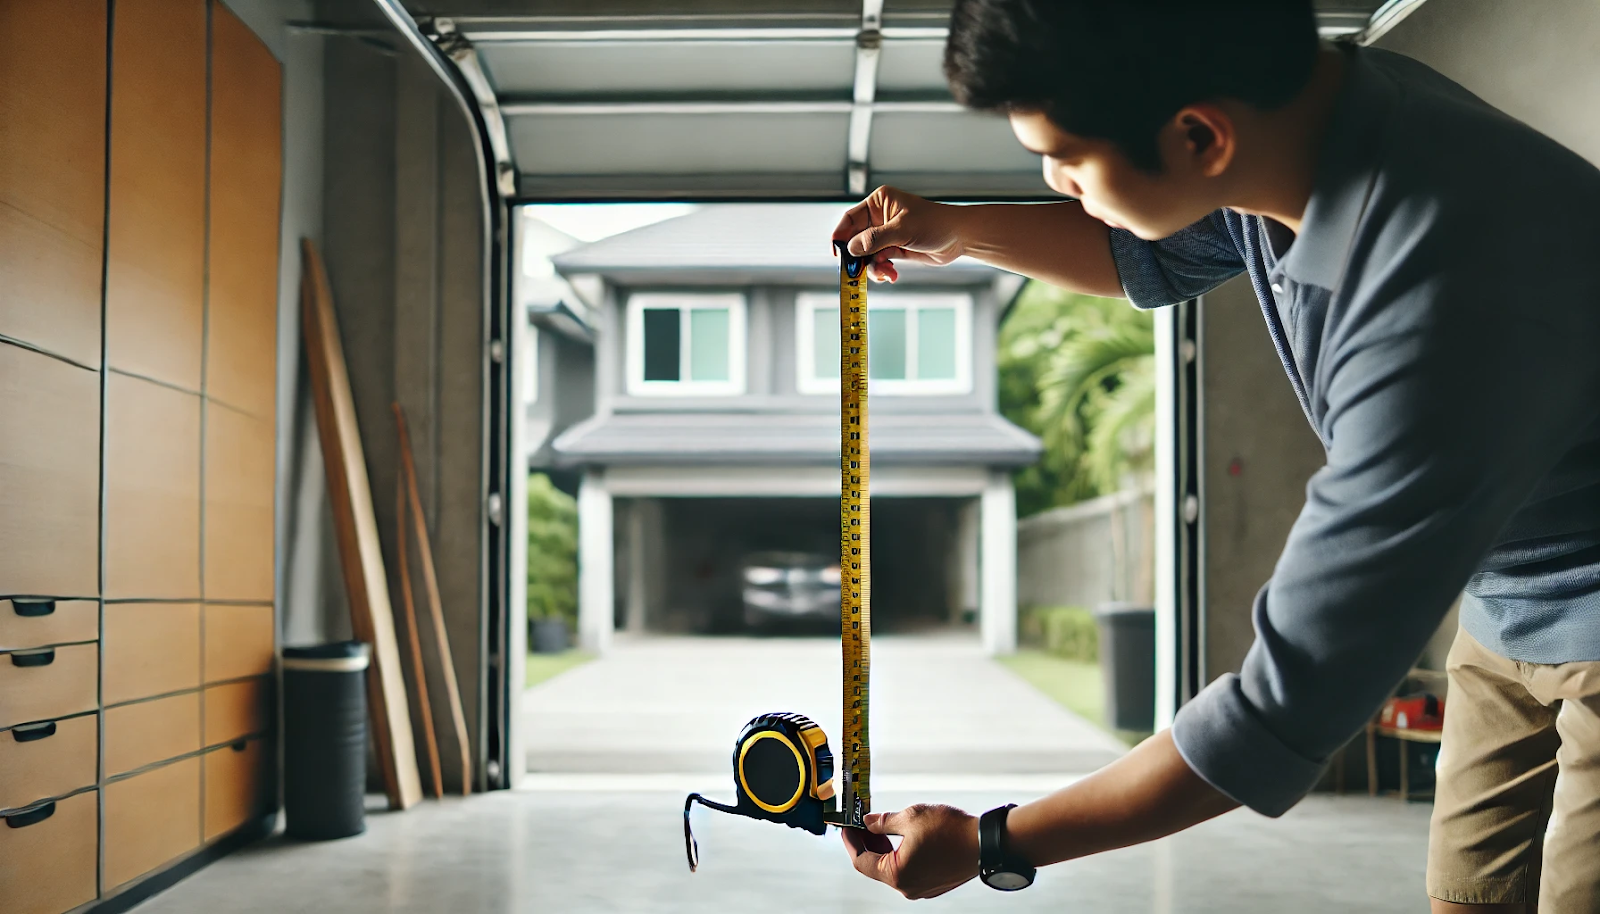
1347 167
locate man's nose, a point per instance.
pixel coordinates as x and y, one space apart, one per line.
1059 182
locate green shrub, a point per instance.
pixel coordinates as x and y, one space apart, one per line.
552 552
1065 631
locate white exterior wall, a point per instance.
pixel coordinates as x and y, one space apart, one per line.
997 605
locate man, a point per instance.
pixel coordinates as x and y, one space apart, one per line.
1427 268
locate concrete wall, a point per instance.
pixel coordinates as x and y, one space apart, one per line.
380 172
1087 554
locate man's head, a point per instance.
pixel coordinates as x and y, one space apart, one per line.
1135 104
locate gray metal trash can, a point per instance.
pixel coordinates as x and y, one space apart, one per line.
1128 664
325 740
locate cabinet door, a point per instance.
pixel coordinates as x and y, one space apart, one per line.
238 642
48 855
147 732
49 475
152 490
237 710
52 174
237 785
151 819
151 649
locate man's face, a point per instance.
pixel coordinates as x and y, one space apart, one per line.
1111 188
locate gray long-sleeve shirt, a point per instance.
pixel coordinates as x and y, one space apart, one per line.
1439 319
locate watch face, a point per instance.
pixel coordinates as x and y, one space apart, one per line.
1006 882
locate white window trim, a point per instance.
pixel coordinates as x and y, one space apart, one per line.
807 303
530 367
686 302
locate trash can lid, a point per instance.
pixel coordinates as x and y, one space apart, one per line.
1105 610
335 657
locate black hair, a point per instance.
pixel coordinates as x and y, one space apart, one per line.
1118 70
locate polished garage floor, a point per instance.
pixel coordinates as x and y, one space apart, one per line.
556 850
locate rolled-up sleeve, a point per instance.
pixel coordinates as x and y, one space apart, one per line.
1190 262
1446 404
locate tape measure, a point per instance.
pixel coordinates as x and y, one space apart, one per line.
783 770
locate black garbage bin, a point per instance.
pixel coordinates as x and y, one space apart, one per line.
1128 664
325 740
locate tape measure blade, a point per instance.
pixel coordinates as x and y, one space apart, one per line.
855 553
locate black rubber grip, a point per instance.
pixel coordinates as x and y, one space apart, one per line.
34 658
32 609
34 732
31 817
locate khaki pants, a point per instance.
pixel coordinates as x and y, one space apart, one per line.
1516 815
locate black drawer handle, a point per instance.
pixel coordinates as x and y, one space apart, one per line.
32 609
31 817
34 658
239 745
33 732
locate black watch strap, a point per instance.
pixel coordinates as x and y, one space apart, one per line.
998 866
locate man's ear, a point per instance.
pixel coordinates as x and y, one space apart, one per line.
1209 138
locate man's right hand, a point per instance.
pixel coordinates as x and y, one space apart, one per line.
1054 242
893 225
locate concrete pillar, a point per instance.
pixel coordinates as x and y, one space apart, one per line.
596 597
638 591
1166 519
998 565
964 568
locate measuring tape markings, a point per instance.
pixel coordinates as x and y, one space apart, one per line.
855 550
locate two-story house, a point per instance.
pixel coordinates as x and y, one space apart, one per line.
716 426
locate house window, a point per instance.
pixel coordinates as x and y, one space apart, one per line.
918 343
685 345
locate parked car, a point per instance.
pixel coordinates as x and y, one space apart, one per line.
790 587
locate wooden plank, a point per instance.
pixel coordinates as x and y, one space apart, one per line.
430 580
419 671
360 554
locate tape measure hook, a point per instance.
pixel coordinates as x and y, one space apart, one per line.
853 265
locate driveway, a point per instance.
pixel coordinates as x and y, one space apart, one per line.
656 706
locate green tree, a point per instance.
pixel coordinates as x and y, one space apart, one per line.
552 552
1079 372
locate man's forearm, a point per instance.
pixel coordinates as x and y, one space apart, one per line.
1149 793
1055 243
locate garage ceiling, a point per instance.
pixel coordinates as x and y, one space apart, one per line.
614 99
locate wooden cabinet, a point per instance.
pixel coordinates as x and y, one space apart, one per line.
47 759
48 856
238 504
155 256
47 683
152 490
28 623
237 785
239 642
52 174
147 732
151 819
246 174
151 649
49 475
237 710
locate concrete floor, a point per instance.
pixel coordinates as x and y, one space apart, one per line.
938 705
564 852
617 743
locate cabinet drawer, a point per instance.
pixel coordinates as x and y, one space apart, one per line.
147 732
48 856
151 819
238 642
237 785
48 759
151 649
36 623
48 683
49 475
237 710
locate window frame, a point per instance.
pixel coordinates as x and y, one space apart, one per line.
685 303
808 302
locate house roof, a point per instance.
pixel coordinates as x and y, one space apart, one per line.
946 439
735 243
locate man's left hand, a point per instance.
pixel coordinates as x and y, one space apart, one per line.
938 849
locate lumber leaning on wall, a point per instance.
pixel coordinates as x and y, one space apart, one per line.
360 555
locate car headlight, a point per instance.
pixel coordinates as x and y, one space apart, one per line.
763 576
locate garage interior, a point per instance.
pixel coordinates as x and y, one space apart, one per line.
163 485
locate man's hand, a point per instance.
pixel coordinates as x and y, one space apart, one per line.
893 225
938 849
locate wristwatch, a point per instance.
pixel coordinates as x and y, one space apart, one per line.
998 866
